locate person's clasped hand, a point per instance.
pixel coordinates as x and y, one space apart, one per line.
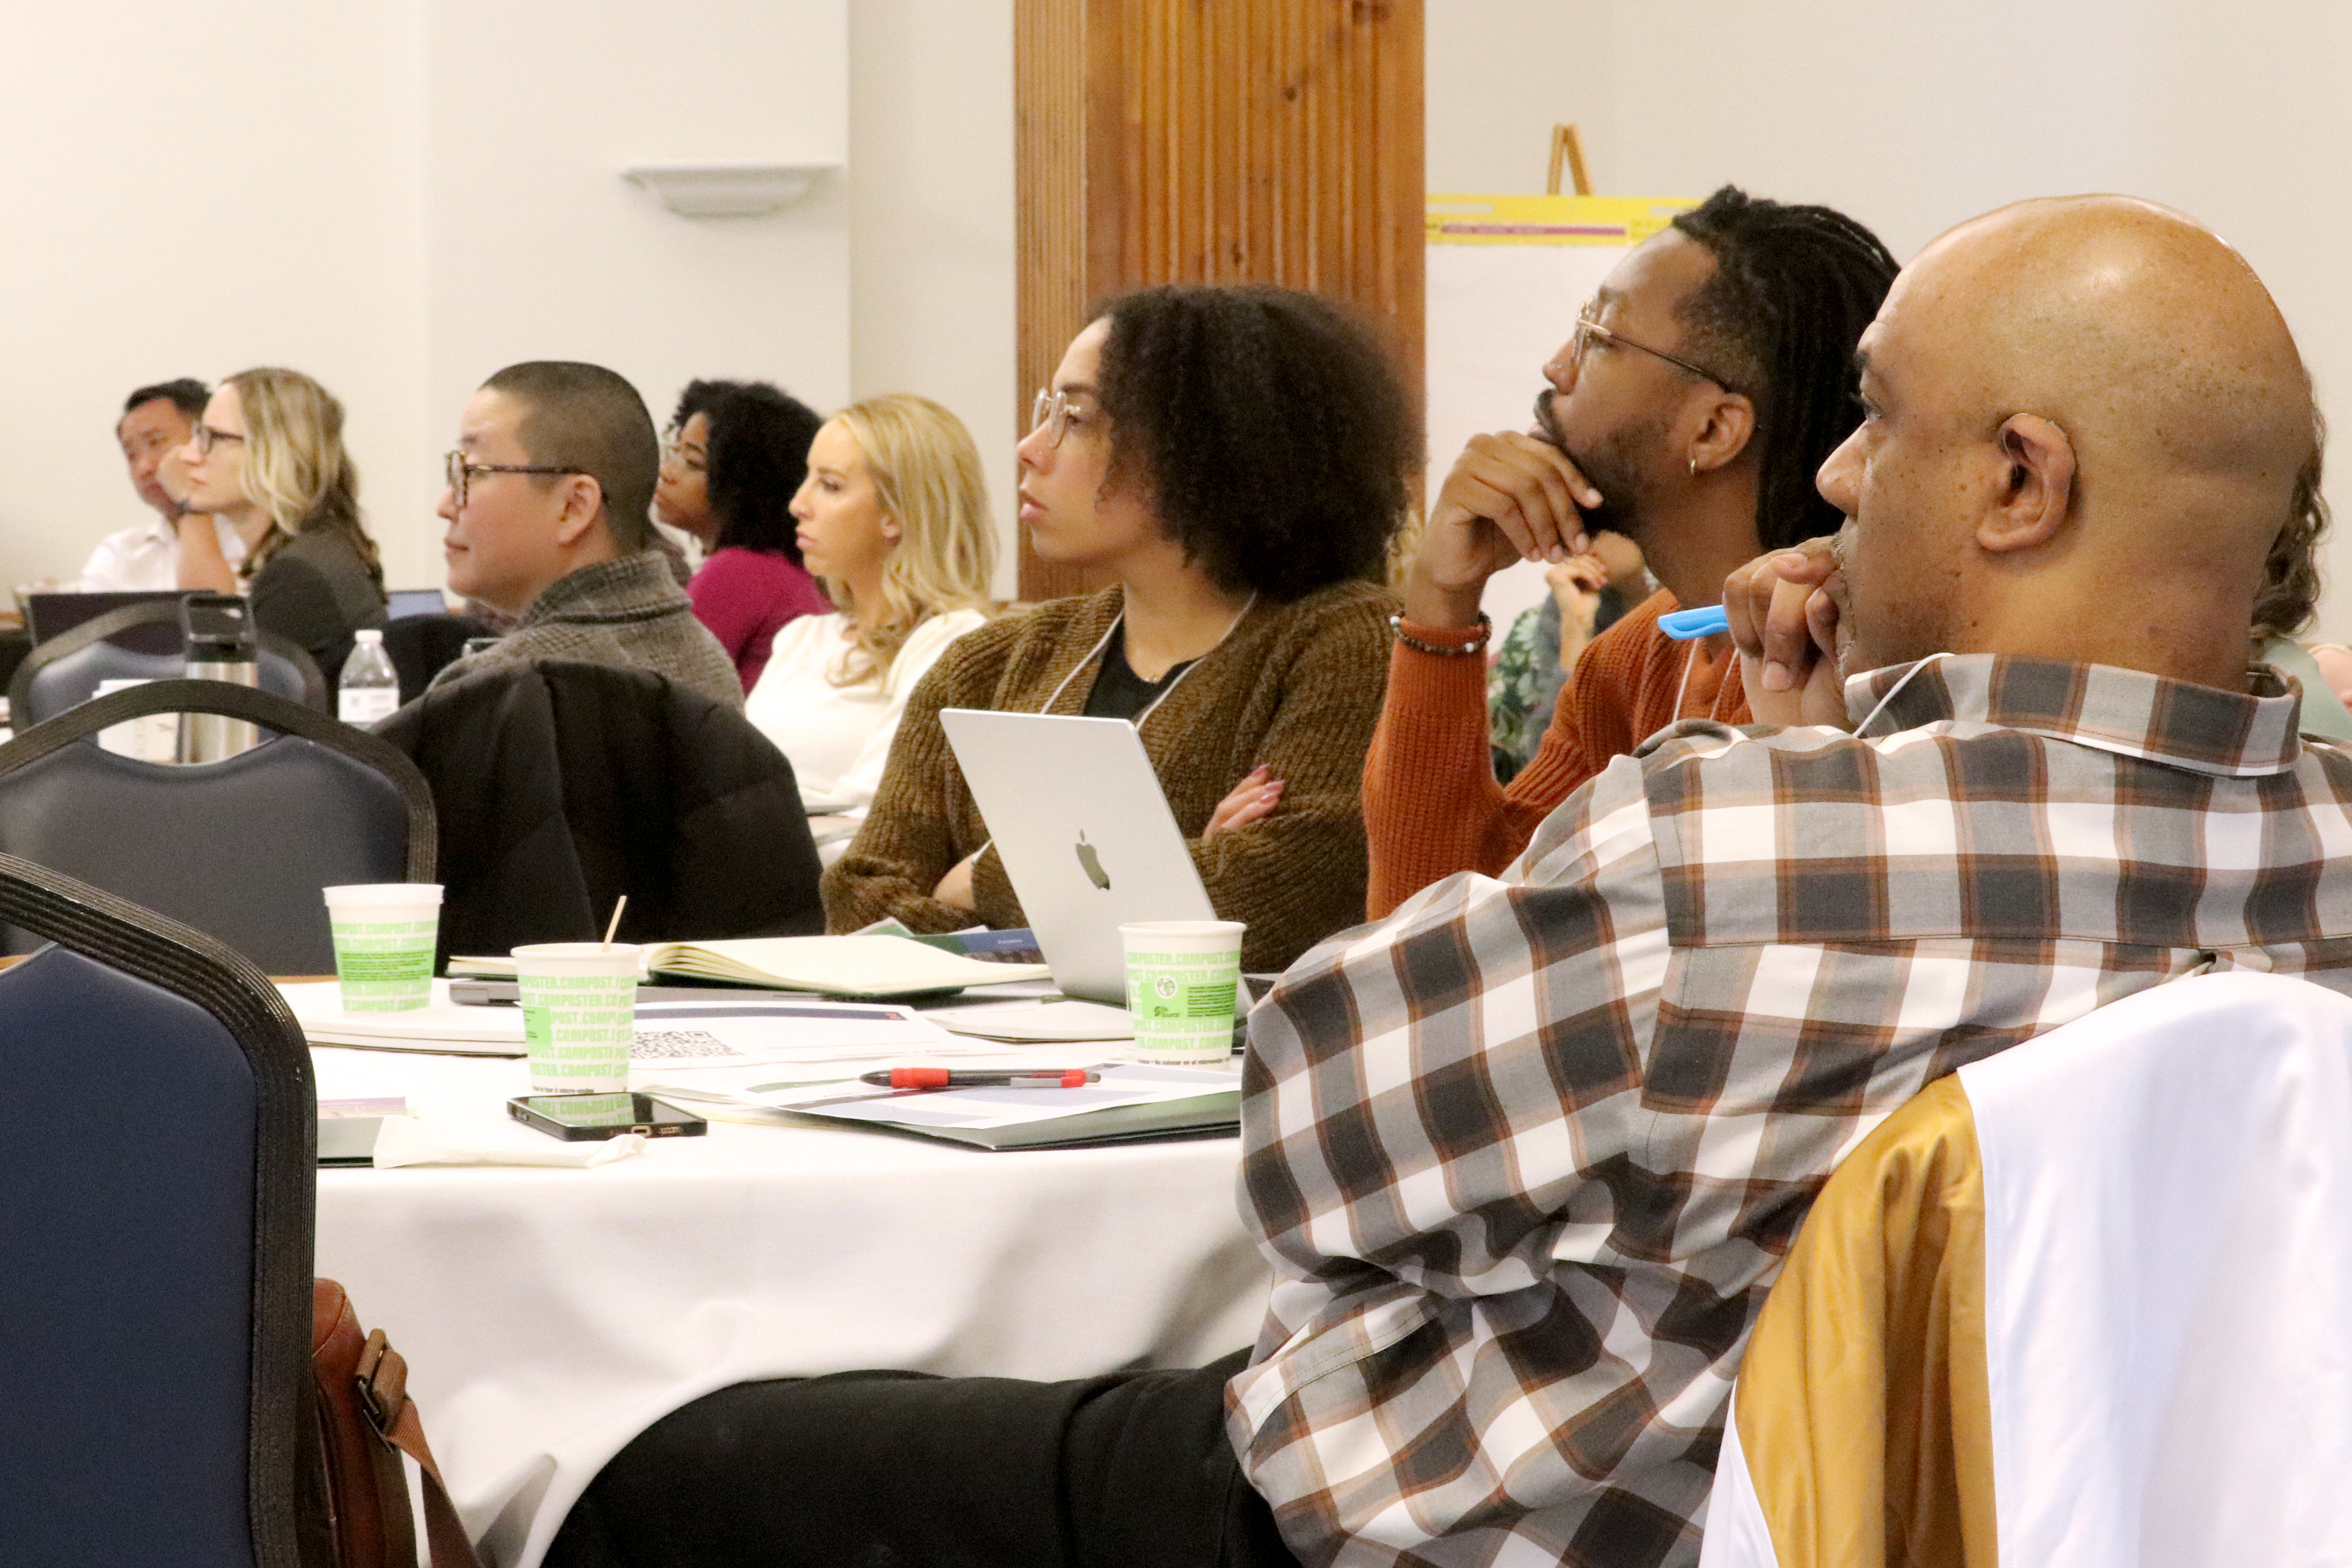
1576 586
1252 800
955 888
1783 616
1509 498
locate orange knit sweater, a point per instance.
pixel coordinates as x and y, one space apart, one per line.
1432 807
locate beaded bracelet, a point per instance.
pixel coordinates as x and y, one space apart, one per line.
1486 630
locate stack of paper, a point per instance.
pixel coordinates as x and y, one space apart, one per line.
669 1035
1040 1022
833 965
1133 1101
441 1027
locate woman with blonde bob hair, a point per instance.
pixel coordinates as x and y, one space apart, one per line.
894 518
268 457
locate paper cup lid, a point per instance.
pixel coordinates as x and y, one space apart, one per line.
579 957
1229 930
363 893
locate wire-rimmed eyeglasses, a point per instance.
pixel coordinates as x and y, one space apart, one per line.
674 450
1052 414
1587 329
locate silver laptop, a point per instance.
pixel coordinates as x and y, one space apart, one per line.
1085 833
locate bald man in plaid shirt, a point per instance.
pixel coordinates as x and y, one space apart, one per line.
1528 1155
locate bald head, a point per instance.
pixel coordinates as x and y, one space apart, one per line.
2089 425
2132 327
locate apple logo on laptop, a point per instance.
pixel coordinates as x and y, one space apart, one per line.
1092 863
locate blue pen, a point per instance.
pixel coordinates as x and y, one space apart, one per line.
1688 626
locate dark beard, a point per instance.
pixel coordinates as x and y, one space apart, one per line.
1610 465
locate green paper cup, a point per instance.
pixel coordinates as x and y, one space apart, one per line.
579 1013
1183 980
384 934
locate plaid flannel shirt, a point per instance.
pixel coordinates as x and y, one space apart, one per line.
1526 1156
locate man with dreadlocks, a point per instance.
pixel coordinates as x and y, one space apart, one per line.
1703 385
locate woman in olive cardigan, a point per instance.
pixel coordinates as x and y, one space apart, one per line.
1234 461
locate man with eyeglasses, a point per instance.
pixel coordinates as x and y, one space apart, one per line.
1701 389
1528 1154
156 422
548 498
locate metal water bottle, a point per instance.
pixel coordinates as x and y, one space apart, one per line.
218 628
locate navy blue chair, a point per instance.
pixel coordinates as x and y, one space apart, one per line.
237 848
141 642
155 1253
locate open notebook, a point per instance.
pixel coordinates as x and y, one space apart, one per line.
867 966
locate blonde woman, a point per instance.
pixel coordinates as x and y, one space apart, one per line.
894 518
267 458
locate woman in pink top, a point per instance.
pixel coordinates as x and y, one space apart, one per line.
734 456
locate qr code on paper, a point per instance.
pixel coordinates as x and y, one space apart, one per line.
677 1045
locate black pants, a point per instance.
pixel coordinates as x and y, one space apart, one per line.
893 1469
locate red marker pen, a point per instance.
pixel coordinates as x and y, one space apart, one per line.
942 1078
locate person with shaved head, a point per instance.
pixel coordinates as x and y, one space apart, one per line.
1527 1156
2087 436
549 490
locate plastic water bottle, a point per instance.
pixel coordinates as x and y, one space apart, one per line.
370 687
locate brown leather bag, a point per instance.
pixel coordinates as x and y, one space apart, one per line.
366 1421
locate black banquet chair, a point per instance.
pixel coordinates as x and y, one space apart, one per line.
560 785
421 647
237 848
141 642
155 1262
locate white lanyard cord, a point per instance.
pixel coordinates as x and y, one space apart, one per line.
1713 702
1116 621
1893 690
1100 643
1189 666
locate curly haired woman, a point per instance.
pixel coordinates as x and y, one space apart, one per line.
1234 461
733 456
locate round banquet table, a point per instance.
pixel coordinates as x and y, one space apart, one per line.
549 1315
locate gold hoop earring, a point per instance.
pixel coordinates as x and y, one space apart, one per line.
1693 467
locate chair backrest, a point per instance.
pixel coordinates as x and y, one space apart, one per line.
2081 1304
560 785
52 615
239 849
65 670
155 1255
422 645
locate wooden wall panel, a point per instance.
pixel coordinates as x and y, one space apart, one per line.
1214 141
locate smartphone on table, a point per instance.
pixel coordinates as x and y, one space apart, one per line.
581 1118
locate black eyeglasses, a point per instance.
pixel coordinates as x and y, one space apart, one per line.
1588 331
458 471
207 437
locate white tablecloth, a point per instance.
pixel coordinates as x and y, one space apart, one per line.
549 1316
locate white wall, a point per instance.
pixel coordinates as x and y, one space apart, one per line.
163 222
1499 74
1913 116
398 198
930 217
